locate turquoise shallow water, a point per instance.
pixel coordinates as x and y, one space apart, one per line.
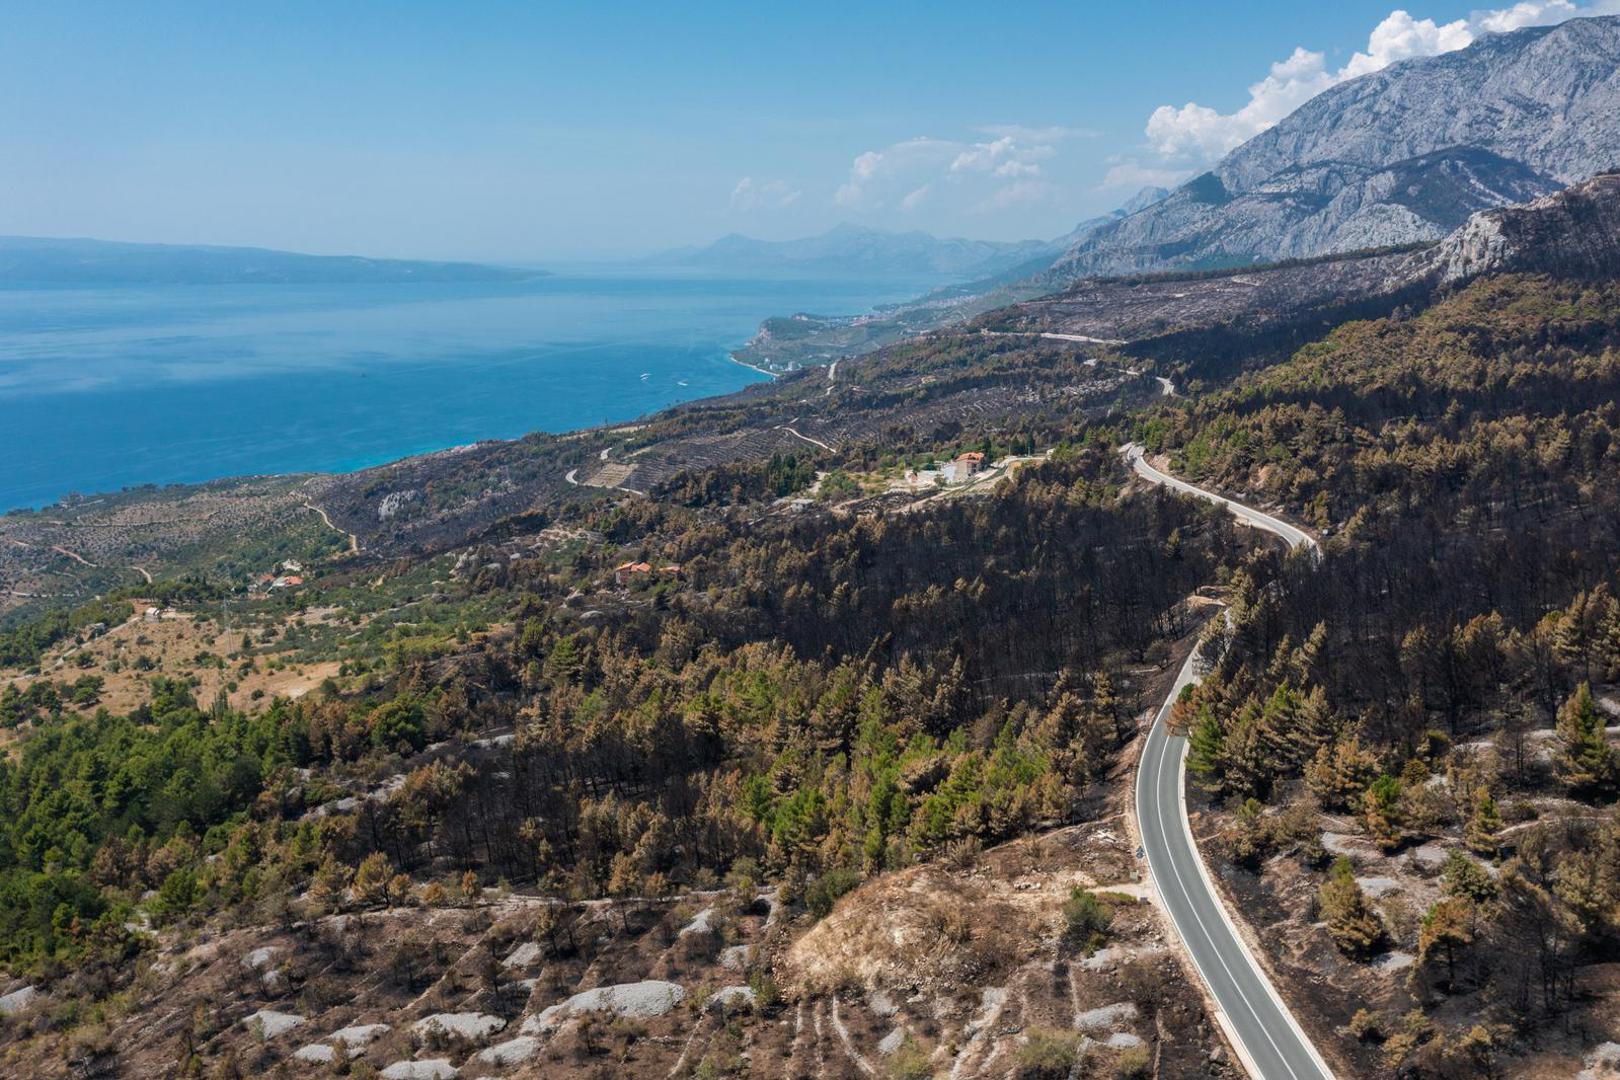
106 388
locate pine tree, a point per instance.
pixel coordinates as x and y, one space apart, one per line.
1483 826
1608 637
1317 723
1095 741
1280 723
1586 762
1059 734
1351 922
1250 766
1381 812
1447 927
1105 702
371 879
1339 773
1310 656
1465 877
1206 748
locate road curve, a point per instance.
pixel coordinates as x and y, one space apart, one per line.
1254 1016
1293 537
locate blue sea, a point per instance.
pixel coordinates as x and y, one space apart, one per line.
111 387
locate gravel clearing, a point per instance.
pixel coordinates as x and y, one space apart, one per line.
881 1004
1376 887
360 1035
732 997
472 1026
425 1069
522 956
18 1000
259 957
511 1052
645 999
273 1023
1104 959
1346 844
1603 1061
1107 1017
701 924
1429 856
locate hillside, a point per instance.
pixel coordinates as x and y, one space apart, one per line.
1397 156
30 260
793 732
1207 322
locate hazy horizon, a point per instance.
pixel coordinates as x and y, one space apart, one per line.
516 135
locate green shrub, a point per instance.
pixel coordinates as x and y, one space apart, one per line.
1048 1054
821 894
1086 918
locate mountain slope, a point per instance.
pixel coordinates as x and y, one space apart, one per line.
30 260
1401 155
1220 320
1575 233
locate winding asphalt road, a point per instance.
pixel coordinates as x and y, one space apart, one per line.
1295 538
1254 1016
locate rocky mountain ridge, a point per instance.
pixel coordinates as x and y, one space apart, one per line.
1571 233
1401 155
1574 233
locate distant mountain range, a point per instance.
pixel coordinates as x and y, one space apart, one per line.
1001 275
1405 154
854 249
29 260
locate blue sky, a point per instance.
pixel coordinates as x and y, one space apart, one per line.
547 131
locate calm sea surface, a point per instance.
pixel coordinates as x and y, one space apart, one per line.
105 388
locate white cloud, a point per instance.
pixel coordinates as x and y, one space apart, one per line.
1017 193
1530 14
1129 175
1198 133
908 173
751 194
879 175
914 198
1054 134
1017 168
1005 156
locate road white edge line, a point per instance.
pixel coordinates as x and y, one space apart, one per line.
1237 985
1233 1038
1260 970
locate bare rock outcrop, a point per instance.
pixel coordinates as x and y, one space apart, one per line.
1398 156
1575 233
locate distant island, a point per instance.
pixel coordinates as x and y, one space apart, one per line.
32 260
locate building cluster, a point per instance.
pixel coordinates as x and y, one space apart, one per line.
625 573
289 575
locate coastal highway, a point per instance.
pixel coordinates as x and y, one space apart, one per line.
1254 1016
